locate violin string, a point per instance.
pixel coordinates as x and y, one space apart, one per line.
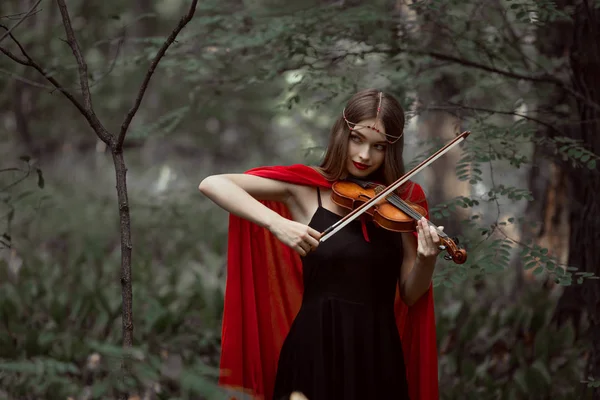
355 213
412 213
402 205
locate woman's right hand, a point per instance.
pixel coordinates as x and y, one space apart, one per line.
299 237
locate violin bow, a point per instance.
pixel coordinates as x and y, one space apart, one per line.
357 212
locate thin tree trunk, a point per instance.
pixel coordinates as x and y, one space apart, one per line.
126 246
21 114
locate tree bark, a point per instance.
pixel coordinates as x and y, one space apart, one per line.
585 182
126 246
548 175
441 127
85 106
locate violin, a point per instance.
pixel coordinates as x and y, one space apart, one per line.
391 212
357 208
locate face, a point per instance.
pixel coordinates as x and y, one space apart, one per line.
366 148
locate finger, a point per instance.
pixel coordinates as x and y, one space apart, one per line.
429 241
301 251
305 246
297 396
437 242
425 228
434 235
440 228
310 248
314 233
420 238
312 242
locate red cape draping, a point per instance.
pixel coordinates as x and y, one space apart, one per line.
264 293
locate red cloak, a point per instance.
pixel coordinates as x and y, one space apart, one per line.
264 293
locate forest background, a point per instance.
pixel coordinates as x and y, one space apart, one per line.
183 89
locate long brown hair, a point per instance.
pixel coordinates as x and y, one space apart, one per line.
362 106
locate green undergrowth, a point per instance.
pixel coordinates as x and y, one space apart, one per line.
495 344
60 300
60 310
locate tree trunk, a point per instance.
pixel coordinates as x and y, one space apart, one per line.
21 108
585 182
548 175
440 127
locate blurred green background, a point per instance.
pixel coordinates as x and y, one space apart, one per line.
259 82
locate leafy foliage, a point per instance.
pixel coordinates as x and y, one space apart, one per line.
241 73
60 314
13 177
495 348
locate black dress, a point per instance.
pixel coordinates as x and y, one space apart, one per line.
344 343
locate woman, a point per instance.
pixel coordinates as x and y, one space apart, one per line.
349 318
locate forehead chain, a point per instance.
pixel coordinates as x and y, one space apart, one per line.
352 125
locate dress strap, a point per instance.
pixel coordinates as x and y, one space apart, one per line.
319 196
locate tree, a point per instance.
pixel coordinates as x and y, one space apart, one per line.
114 141
584 61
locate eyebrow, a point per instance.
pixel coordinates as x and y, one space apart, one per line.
364 137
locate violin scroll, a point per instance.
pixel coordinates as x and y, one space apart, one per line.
459 256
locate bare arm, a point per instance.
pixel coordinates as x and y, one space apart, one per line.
239 194
418 265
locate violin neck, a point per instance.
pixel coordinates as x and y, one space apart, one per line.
397 201
408 210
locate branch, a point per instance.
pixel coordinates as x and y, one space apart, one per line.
29 62
72 41
23 18
161 52
25 80
544 78
491 111
97 81
89 115
25 175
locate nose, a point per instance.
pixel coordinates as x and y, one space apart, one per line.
364 153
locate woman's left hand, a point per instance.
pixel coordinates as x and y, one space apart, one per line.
428 246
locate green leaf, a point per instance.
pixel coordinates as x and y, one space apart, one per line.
542 370
530 265
591 164
25 367
519 378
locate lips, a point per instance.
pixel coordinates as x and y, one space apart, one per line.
360 166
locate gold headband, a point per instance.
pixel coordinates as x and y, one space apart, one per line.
352 125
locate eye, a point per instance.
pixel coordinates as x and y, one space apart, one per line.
355 138
380 147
